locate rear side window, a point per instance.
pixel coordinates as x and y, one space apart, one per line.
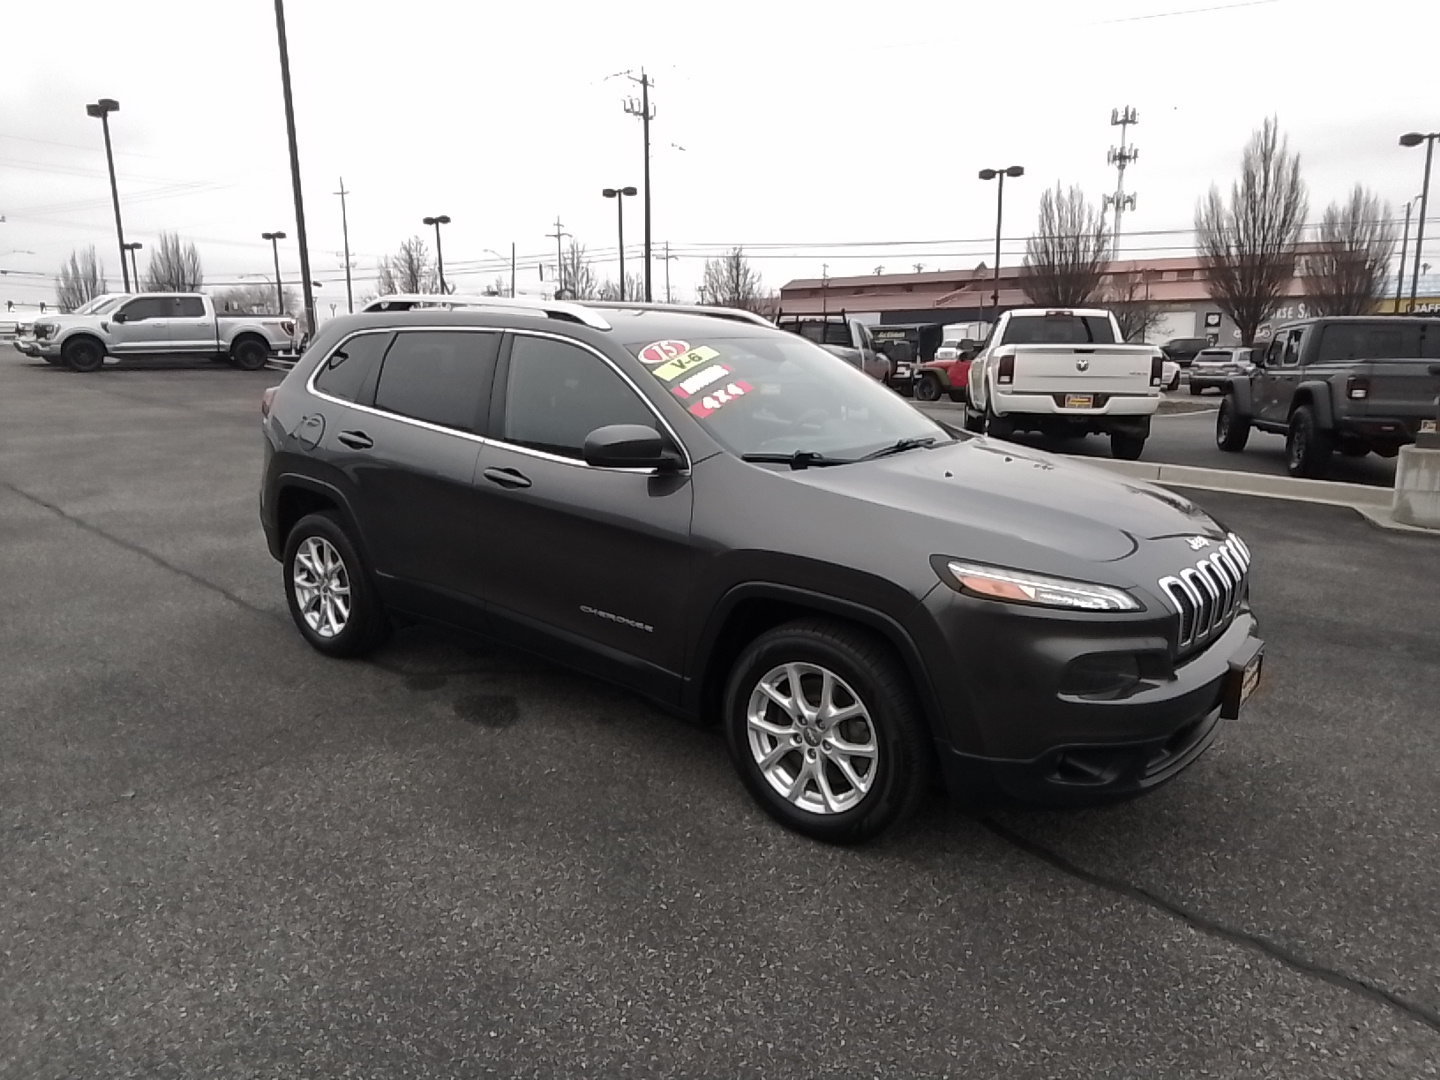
345 373
1369 341
1059 330
189 307
440 376
557 393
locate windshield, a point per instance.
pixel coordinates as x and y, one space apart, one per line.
1059 330
780 394
99 306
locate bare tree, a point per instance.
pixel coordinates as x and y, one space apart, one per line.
1345 273
80 281
1128 299
634 288
1065 260
730 282
409 270
174 266
577 275
1248 247
255 299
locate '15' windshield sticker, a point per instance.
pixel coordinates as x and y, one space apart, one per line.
718 398
688 361
657 352
701 379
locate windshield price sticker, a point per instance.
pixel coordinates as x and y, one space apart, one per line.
687 361
657 352
701 379
717 399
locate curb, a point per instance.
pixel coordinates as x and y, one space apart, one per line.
1372 503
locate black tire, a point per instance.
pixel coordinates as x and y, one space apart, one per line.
1353 449
1196 391
957 394
998 427
927 388
1307 448
249 354
83 354
973 421
367 624
1232 431
1126 447
901 771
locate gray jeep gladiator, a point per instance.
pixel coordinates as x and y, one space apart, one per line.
1355 384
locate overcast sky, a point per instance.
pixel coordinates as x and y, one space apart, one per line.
805 126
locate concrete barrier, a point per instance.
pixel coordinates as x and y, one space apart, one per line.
1417 487
1332 492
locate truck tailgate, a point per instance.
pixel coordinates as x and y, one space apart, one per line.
1082 369
1402 388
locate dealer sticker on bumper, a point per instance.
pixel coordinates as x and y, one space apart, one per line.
1240 683
1079 401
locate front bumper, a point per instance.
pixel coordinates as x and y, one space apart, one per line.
27 346
1013 733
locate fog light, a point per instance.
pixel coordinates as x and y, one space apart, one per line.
1101 676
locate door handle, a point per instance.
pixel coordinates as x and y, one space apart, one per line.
509 478
356 440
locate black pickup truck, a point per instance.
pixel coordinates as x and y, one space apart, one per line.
1352 384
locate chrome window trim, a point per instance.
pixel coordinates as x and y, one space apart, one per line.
470 436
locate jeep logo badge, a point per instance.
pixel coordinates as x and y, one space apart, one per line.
1082 364
1197 542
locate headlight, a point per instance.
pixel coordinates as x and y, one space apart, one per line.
1018 586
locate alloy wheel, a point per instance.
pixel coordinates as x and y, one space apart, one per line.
812 738
322 587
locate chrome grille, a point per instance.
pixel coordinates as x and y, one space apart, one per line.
1207 595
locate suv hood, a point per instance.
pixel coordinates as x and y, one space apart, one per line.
1044 499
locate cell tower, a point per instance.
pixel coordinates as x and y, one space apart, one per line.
1121 118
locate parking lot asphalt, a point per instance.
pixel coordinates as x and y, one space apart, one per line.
1188 438
227 855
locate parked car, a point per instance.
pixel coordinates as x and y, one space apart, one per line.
732 522
1184 350
162 324
25 341
1353 384
1169 375
946 377
847 338
908 345
1063 373
956 336
1211 368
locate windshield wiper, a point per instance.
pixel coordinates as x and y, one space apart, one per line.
800 459
898 447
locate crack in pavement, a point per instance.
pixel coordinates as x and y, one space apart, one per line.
1214 928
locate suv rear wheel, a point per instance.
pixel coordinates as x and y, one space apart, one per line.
1232 431
824 730
1307 448
331 597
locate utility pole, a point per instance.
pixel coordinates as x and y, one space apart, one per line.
512 269
824 299
345 230
559 234
1121 118
668 257
643 109
295 168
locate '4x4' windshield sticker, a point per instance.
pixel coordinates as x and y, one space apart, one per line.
719 398
687 361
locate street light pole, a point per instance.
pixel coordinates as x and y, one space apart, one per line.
1415 138
345 232
275 238
295 168
999 174
102 109
1404 249
618 194
133 247
442 219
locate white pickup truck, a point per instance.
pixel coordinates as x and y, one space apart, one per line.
160 324
1063 373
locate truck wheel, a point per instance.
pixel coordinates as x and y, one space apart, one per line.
1196 391
1354 448
957 394
927 388
83 354
1307 448
824 730
998 427
1232 431
249 354
973 421
1125 446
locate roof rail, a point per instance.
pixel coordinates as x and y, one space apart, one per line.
521 305
733 314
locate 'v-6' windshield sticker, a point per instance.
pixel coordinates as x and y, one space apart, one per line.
718 398
673 369
701 379
657 352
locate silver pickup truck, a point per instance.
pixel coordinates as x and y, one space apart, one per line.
160 324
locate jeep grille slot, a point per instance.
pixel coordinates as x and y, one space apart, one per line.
1207 595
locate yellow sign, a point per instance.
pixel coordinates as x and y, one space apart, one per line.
673 369
1424 305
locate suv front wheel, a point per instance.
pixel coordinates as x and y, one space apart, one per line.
331 597
824 730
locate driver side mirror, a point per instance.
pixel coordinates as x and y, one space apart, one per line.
119 317
629 446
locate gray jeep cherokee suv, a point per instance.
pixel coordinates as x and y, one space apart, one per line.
744 529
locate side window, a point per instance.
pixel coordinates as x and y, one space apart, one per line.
189 307
558 393
1272 354
440 376
345 373
146 307
1292 349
